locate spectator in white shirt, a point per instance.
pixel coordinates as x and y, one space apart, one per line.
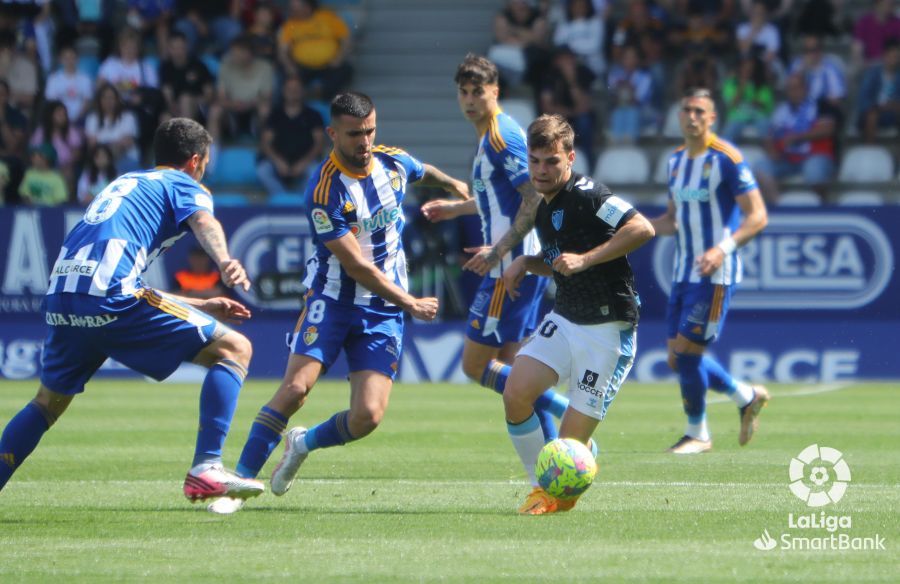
582 31
69 85
758 35
111 124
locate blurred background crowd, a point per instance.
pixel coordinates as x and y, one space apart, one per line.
808 89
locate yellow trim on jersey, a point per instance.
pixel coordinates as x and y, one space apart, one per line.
494 136
390 150
303 312
157 300
727 149
320 194
715 309
334 159
496 306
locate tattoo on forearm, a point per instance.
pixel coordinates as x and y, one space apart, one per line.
523 222
211 238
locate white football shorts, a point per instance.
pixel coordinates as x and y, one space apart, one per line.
595 359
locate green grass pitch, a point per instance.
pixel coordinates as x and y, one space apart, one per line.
432 494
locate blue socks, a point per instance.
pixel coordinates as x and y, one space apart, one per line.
553 402
719 379
21 436
218 400
265 434
547 405
333 432
694 380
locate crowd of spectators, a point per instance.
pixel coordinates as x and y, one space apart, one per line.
780 69
83 85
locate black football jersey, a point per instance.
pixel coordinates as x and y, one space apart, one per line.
583 215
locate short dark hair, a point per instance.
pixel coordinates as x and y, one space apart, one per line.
351 103
551 129
476 70
177 139
699 92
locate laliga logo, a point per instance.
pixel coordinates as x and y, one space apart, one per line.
819 476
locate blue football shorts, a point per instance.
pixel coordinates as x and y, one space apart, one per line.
697 310
372 339
149 332
495 319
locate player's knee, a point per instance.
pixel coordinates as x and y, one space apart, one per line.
363 421
671 362
294 394
237 347
515 400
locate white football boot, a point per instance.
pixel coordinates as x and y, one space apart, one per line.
293 457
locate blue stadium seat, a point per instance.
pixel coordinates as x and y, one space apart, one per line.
212 63
151 62
323 108
225 199
235 165
89 65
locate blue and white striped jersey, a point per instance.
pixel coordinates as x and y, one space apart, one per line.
134 219
500 166
370 207
703 190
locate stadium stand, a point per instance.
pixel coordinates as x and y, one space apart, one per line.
235 166
622 165
799 198
866 164
860 198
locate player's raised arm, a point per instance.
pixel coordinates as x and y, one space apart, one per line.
523 222
209 233
434 177
346 249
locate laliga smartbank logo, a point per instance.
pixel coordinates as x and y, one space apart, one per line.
819 476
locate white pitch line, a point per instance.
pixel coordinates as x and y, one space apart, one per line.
802 392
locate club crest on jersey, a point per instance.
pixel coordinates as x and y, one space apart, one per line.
310 335
394 178
707 169
321 222
557 219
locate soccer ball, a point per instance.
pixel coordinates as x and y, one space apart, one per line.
565 468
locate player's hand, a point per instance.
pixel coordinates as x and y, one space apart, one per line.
569 263
424 308
459 189
710 261
512 277
440 210
226 310
234 274
484 259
